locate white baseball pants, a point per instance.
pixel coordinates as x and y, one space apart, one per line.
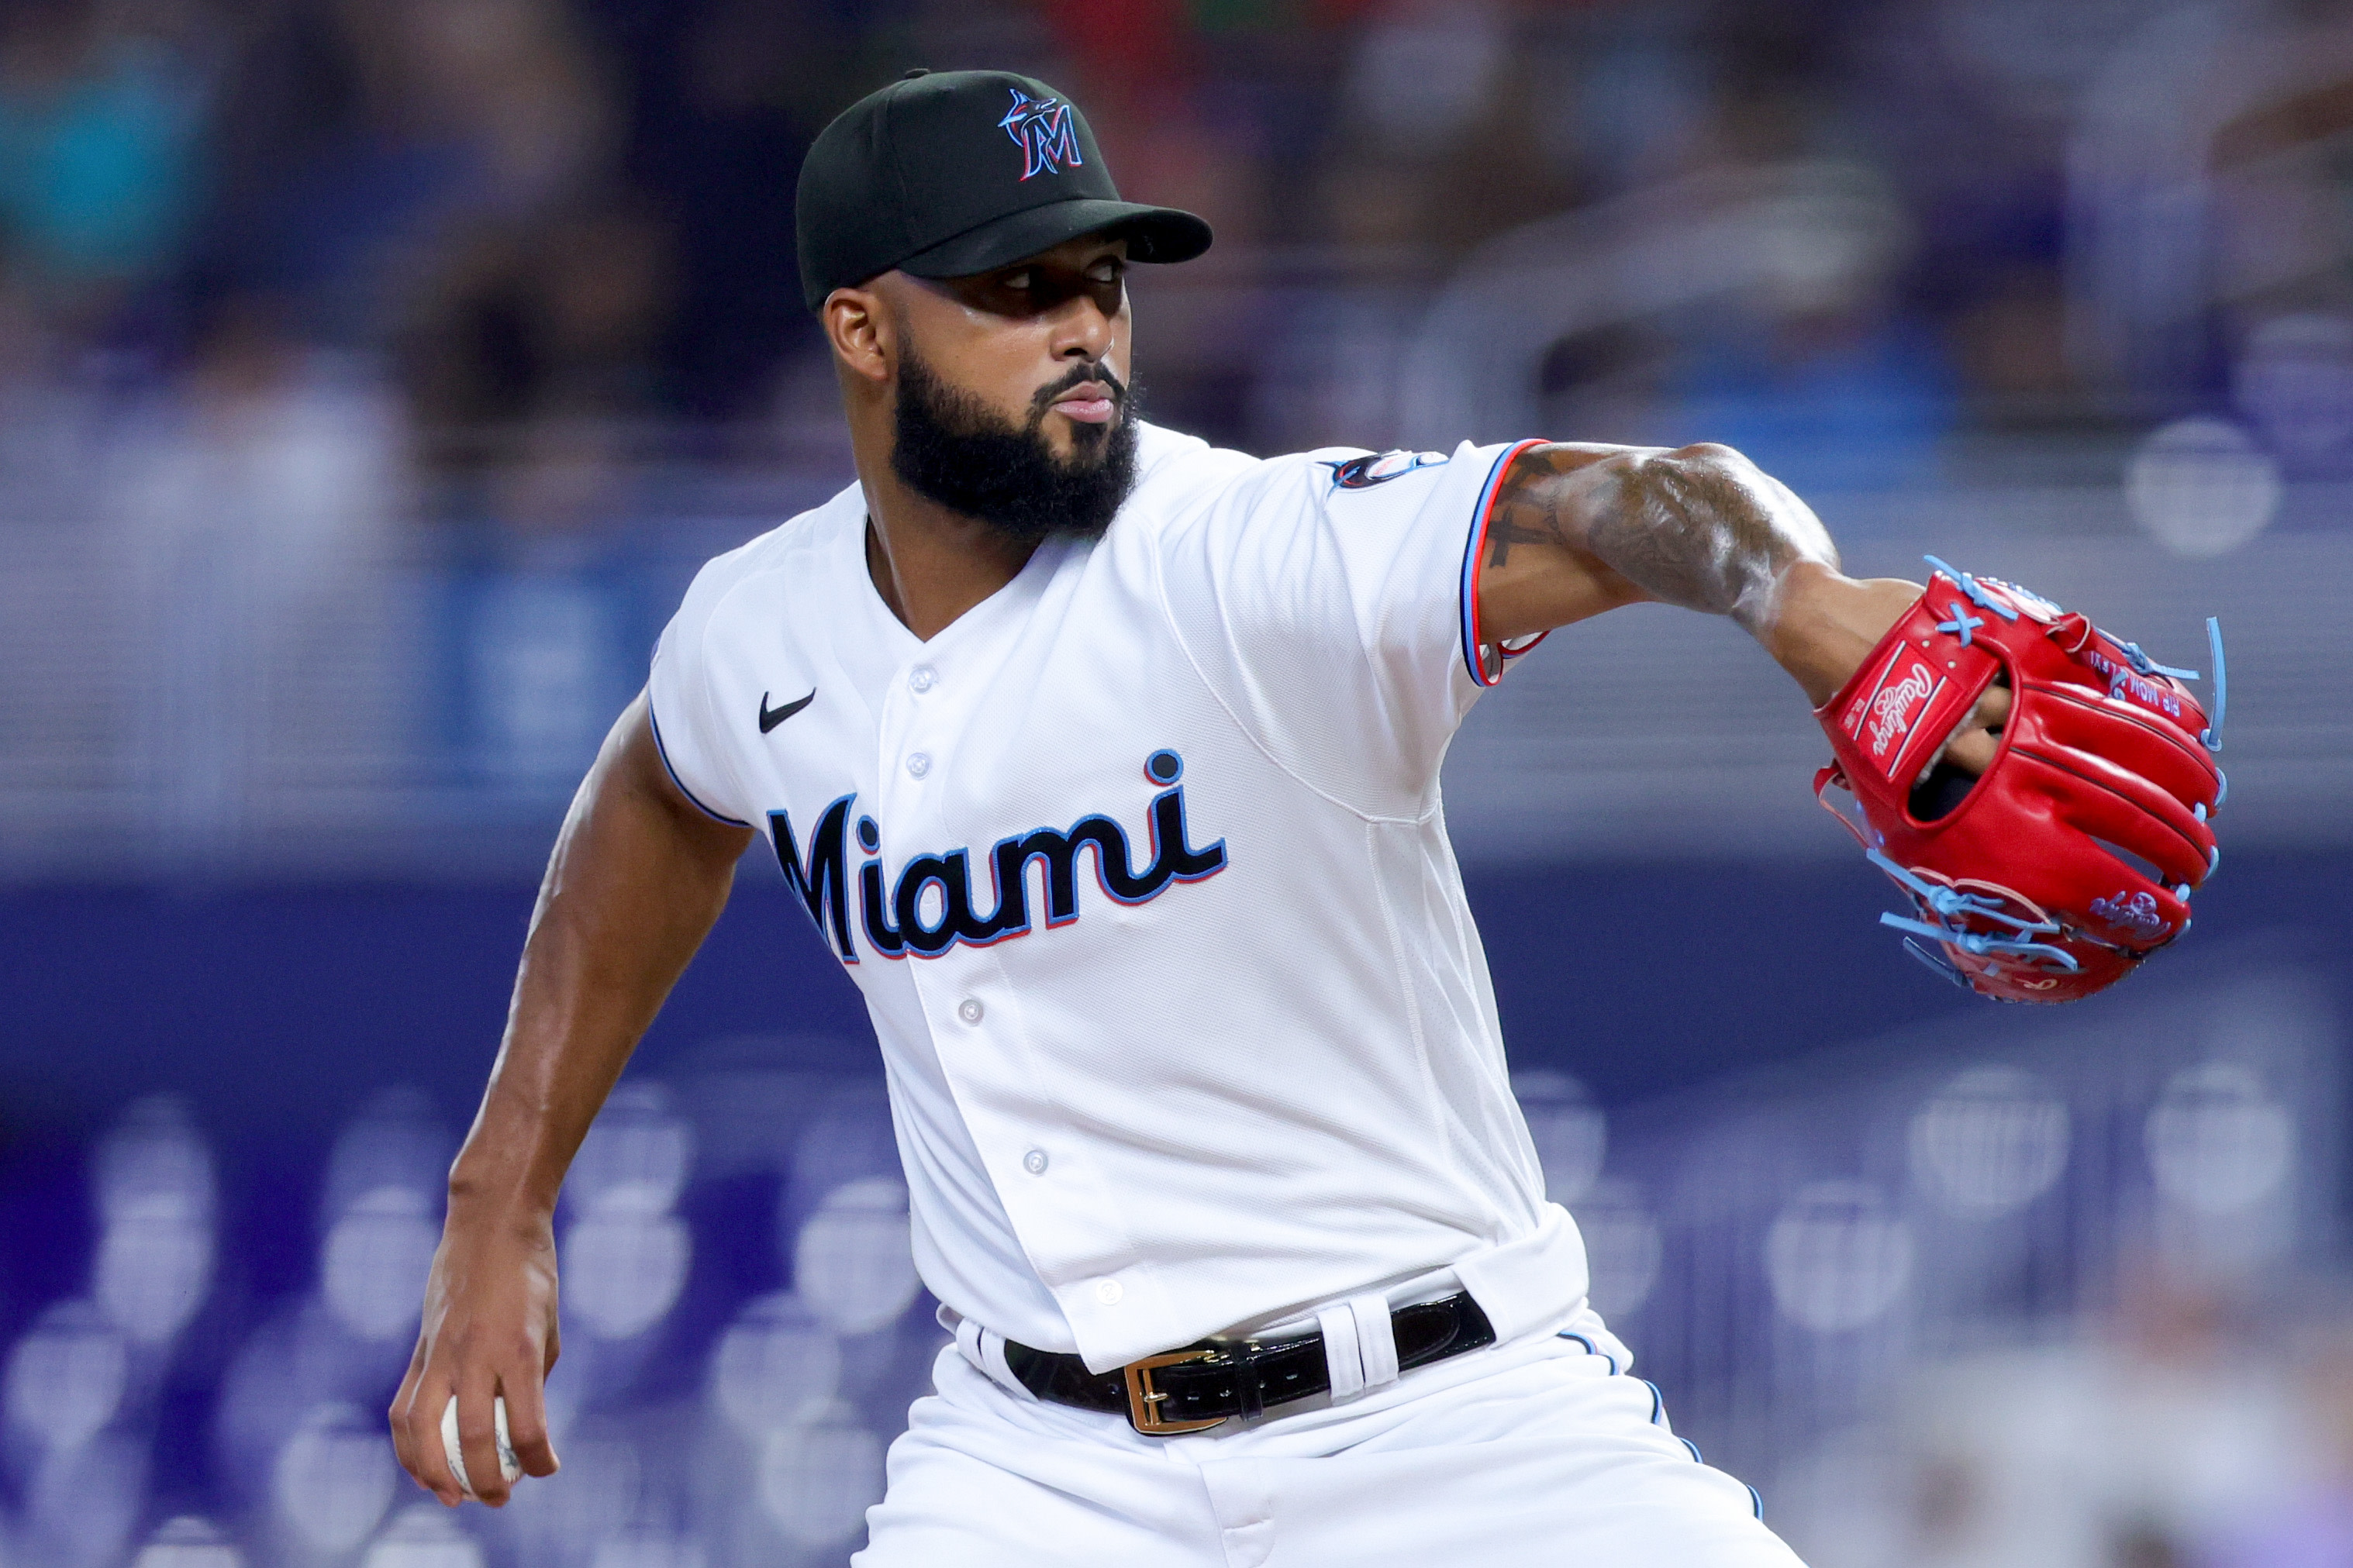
1538 1451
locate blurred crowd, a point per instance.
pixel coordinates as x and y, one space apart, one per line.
373 372
546 232
743 1331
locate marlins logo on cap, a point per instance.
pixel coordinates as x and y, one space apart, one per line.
1041 128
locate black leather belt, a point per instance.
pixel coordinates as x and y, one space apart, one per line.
1202 1384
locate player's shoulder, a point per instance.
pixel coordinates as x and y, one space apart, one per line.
1178 476
789 550
764 572
1173 469
1183 477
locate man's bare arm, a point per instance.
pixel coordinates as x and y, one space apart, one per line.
1580 529
638 877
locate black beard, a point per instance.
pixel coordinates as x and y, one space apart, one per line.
956 450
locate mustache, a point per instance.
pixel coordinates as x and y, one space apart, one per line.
1079 375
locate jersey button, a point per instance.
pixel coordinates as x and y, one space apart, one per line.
971 1011
1108 1292
922 678
919 764
1034 1161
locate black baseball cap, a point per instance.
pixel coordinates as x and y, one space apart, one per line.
947 174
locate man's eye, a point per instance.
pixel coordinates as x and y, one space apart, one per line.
1017 279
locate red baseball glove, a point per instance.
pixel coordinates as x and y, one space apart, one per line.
2072 857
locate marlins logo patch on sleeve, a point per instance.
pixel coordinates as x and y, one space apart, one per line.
1379 467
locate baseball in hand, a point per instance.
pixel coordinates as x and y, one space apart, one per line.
507 1466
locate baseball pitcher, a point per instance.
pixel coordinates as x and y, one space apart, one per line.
1106 764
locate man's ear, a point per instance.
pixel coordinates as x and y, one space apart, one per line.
859 325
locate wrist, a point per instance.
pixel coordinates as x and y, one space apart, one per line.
485 1189
486 1212
1828 623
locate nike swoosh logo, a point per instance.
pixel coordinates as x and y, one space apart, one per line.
772 717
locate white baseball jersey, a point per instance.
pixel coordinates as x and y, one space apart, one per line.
1141 866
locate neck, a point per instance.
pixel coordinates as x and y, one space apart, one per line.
929 564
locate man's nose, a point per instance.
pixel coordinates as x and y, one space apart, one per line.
1083 331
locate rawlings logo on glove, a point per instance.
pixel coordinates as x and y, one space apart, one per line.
1894 709
2072 857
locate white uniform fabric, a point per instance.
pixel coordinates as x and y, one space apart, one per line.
1141 866
1542 1451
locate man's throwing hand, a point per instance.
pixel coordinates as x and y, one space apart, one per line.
489 1332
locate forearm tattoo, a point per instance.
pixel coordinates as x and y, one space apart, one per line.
1700 527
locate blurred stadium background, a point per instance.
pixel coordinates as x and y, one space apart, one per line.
374 373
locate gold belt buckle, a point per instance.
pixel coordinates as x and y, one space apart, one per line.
1143 1401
